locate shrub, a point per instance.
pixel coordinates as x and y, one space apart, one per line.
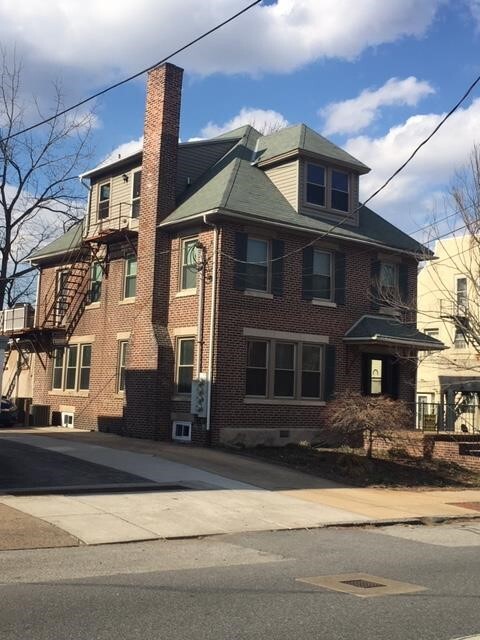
351 414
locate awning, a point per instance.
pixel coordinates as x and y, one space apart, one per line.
389 331
460 383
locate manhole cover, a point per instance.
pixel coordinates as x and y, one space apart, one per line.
362 585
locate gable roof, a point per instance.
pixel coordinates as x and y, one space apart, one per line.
299 137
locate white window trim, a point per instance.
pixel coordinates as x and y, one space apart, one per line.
122 344
181 290
132 199
184 423
126 298
78 365
178 341
99 186
268 291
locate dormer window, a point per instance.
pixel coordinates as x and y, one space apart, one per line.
340 191
326 187
316 184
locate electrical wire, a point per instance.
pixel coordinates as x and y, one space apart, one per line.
134 76
375 193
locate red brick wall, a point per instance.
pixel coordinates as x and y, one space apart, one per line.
148 380
289 313
102 408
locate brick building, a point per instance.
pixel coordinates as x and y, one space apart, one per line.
221 290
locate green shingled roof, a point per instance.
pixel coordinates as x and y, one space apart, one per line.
69 241
389 330
234 184
302 138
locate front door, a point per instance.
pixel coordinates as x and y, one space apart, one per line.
380 375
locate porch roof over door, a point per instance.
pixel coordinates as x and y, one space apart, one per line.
389 331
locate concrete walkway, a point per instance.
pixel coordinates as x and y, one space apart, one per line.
207 503
220 493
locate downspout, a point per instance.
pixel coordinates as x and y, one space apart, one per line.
201 304
212 320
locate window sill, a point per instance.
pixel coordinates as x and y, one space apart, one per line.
69 392
120 395
184 293
127 301
319 302
92 305
389 311
258 294
286 401
182 397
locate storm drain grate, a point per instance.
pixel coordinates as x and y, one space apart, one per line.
362 584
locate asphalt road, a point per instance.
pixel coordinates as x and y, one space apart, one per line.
246 586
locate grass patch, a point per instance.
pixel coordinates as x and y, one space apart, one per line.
351 466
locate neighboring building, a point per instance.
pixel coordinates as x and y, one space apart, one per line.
448 382
244 260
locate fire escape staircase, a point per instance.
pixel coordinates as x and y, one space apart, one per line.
69 300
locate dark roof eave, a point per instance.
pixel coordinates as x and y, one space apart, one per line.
379 339
250 218
296 153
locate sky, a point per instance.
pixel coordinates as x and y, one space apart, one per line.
374 76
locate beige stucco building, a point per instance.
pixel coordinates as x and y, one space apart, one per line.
448 382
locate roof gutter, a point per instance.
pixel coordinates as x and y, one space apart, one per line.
276 223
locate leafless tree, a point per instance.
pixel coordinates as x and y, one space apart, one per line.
352 414
40 194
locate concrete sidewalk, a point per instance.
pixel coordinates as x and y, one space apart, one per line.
206 503
221 493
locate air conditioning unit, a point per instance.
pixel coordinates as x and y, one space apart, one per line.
19 318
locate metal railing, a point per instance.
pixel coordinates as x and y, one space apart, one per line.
437 417
453 308
121 218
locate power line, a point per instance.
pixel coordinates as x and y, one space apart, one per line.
135 75
381 188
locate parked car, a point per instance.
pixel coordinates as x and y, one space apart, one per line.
8 413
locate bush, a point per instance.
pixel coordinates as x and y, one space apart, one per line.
351 415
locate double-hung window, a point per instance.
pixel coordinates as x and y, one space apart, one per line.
71 368
388 278
340 191
136 193
316 184
184 369
103 200
188 268
327 187
284 370
322 275
96 275
257 269
130 277
122 363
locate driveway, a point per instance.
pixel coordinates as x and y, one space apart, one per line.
200 503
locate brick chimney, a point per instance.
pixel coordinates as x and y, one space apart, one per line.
148 388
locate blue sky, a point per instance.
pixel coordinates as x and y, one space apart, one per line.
375 76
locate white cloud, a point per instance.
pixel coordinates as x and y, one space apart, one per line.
355 114
123 150
410 196
265 120
98 41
